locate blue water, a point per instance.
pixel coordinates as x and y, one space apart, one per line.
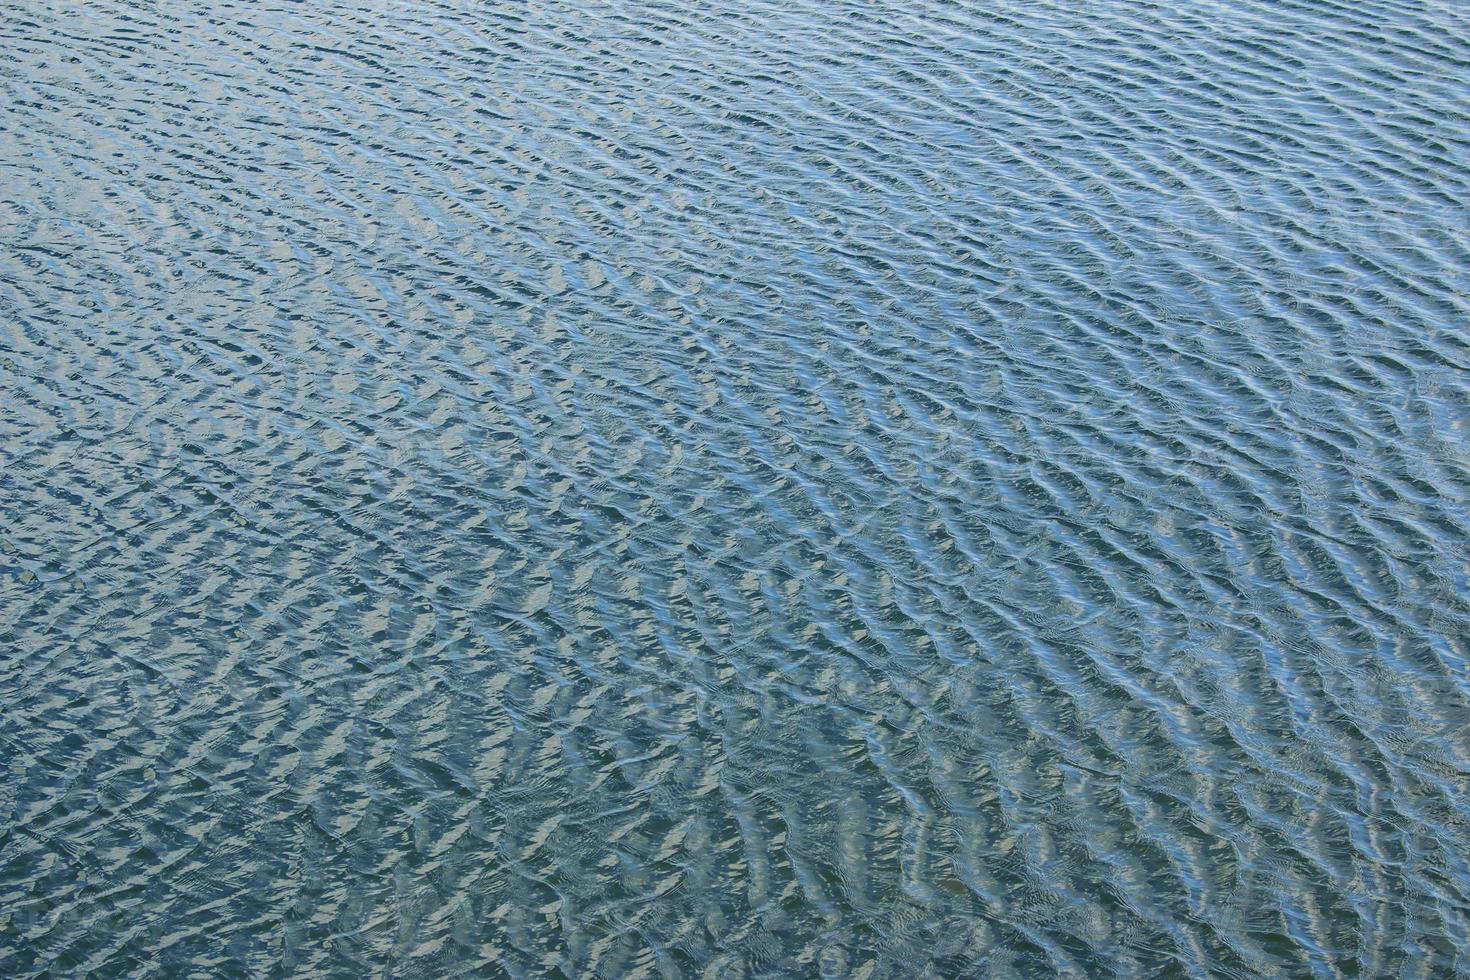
712 489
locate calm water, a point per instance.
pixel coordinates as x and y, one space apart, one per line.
755 489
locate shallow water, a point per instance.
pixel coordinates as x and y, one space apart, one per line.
741 489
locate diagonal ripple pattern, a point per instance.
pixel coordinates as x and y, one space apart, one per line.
766 489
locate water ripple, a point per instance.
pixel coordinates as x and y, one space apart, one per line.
769 489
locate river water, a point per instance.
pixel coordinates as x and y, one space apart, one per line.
767 489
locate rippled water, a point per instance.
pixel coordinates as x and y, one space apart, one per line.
735 489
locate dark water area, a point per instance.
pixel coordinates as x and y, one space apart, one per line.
765 489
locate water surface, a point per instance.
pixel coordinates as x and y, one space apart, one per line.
723 489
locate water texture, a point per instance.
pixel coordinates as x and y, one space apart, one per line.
735 489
